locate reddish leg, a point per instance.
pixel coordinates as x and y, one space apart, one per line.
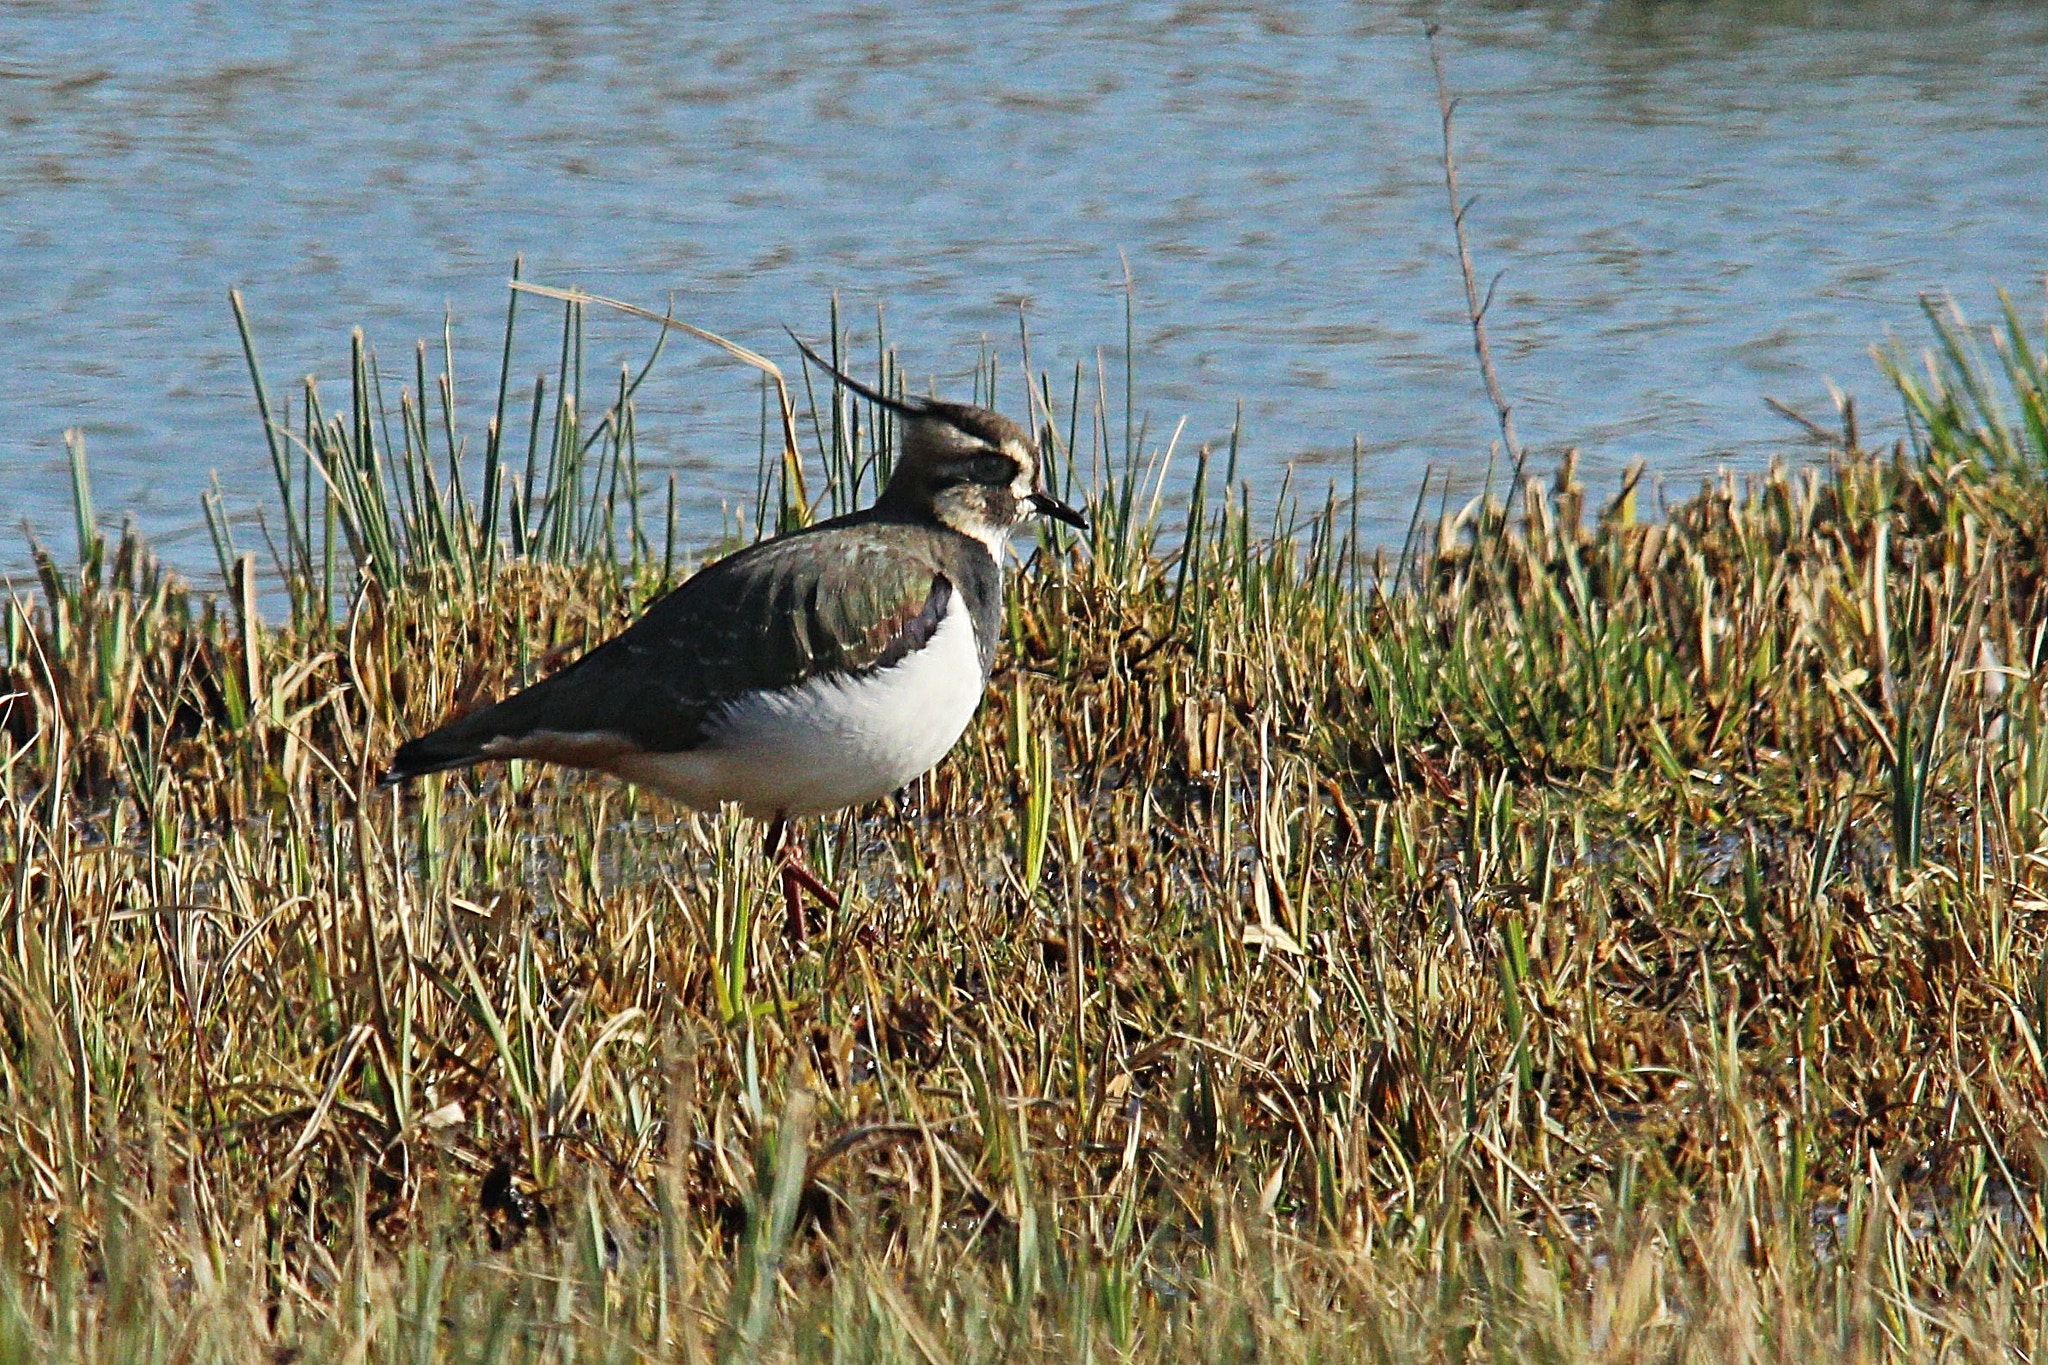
796 879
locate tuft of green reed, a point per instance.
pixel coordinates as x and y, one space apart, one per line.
1574 938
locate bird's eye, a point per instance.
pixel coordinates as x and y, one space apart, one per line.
990 468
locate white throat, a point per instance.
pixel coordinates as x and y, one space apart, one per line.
995 538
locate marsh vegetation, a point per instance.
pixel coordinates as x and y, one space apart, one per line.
1571 935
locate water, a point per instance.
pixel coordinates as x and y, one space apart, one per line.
1694 205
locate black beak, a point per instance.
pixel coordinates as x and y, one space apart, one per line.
1045 504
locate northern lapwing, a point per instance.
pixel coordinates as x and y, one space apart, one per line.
814 671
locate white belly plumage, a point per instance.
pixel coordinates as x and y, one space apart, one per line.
829 742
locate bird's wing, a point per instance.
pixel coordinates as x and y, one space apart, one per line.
833 599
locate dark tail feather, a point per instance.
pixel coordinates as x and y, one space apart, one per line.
505 729
431 753
576 719
457 744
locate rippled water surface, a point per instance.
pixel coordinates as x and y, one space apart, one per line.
1694 205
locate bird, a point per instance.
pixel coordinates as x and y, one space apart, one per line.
809 672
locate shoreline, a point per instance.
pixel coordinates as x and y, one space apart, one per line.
1582 937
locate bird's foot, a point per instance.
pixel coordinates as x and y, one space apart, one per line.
797 880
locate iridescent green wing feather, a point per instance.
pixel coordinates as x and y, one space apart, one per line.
840 598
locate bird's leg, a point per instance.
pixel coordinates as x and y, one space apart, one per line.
780 847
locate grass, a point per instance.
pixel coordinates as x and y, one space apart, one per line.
1576 938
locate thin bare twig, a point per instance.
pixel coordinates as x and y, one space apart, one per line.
792 458
1475 307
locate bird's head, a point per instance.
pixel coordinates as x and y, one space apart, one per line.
973 469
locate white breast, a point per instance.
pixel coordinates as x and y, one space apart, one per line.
830 742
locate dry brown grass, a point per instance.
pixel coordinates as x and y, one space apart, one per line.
1622 942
